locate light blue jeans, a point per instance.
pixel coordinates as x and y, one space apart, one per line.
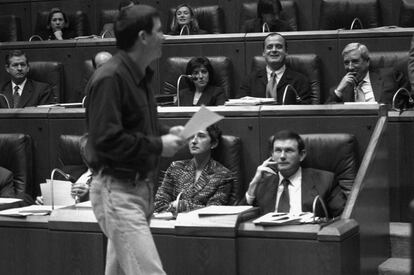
122 208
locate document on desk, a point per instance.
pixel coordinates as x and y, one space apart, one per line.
61 192
8 200
38 210
200 121
223 210
275 218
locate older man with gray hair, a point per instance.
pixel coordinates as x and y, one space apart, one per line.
362 83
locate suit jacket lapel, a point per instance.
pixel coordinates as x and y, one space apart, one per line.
309 191
205 97
376 84
26 94
262 81
8 93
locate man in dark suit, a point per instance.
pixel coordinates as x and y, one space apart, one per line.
272 80
21 91
280 184
362 83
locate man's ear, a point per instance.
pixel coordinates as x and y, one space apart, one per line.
142 36
302 155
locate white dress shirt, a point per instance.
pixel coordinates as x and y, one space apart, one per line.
295 191
279 73
367 89
21 87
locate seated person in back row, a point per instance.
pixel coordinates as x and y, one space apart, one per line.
57 27
184 22
108 28
268 18
21 91
6 183
362 83
201 91
197 182
272 81
281 185
79 190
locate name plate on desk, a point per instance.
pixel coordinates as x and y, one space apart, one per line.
217 221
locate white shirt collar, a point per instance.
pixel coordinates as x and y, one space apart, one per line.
295 179
278 72
21 86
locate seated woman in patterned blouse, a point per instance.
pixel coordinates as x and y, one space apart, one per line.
198 182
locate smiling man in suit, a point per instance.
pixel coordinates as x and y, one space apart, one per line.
281 185
272 80
22 91
361 83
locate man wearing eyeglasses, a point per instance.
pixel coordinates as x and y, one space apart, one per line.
21 91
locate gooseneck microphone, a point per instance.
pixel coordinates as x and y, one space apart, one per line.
265 27
178 85
320 200
52 176
356 20
297 97
185 27
410 99
7 101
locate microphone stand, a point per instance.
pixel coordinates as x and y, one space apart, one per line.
410 99
325 210
67 177
297 97
182 30
178 86
265 27
7 101
356 19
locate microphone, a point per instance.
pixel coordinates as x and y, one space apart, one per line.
325 210
297 97
66 176
189 76
356 20
265 27
410 99
183 28
7 101
35 36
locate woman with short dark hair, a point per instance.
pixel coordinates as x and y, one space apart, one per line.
201 90
57 27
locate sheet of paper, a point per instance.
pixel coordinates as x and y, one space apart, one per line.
61 190
200 121
8 200
85 204
28 211
223 210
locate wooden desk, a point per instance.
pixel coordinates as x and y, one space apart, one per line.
70 242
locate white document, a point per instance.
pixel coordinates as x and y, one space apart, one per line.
223 210
200 121
8 200
38 210
61 193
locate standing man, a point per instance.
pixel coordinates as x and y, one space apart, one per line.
272 80
22 91
124 143
361 83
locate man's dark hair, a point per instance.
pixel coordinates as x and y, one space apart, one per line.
10 54
197 62
285 135
215 134
275 34
126 3
268 6
131 21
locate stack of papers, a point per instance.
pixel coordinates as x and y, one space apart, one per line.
222 210
249 101
61 193
275 218
37 210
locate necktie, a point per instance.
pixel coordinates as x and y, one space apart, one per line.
16 96
359 93
284 205
271 87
